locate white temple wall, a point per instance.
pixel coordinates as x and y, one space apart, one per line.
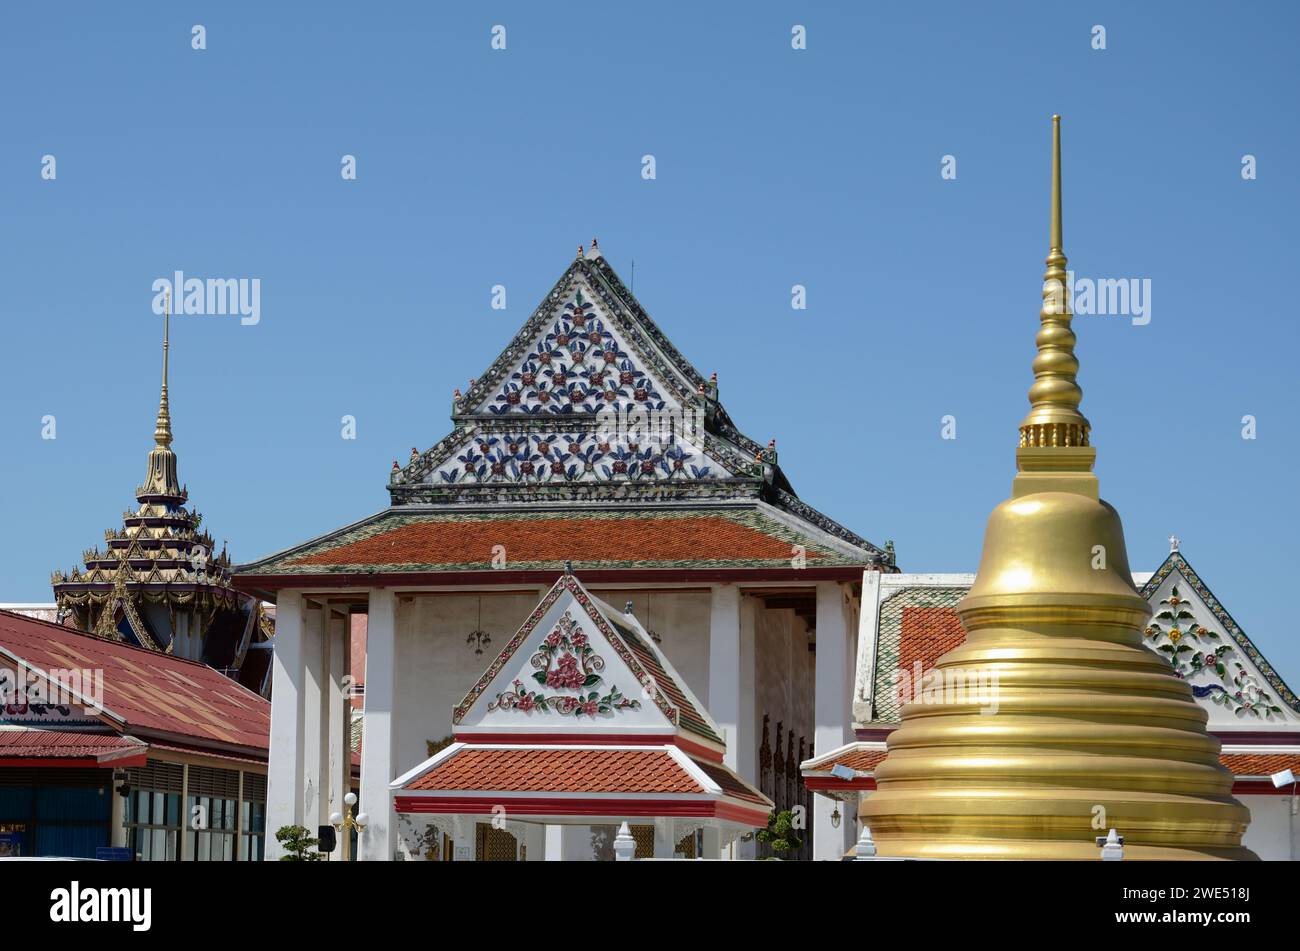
1273 833
681 618
436 667
784 676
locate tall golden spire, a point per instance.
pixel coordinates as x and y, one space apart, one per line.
1054 418
1053 722
161 482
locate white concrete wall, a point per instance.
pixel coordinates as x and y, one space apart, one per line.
1273 834
435 667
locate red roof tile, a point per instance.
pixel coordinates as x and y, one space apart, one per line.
666 539
864 761
589 770
152 691
1260 764
927 633
1241 764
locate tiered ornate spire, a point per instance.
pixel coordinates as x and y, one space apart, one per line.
159 581
1053 723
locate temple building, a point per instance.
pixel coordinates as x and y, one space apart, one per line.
579 724
592 440
910 621
159 582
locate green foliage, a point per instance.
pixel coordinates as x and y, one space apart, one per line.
299 845
779 833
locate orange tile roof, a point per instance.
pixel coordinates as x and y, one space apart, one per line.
589 770
1260 764
689 538
863 761
927 634
1241 764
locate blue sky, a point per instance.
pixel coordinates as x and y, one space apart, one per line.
774 167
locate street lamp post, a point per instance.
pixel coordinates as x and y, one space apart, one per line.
345 822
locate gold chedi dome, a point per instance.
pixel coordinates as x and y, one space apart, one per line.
1053 722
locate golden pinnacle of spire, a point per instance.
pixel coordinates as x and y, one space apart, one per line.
1054 419
162 433
161 477
1053 721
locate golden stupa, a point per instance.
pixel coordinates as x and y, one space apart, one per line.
1067 725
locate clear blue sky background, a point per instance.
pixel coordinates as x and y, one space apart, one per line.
775 167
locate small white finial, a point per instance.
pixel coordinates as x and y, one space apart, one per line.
1112 847
1173 543
624 844
866 847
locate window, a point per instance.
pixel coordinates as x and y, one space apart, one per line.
211 829
253 824
153 821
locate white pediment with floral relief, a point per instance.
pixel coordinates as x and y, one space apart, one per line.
1191 630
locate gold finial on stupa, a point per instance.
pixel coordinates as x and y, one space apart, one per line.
1053 714
1054 419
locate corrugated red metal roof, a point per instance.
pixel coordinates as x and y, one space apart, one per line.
63 744
153 692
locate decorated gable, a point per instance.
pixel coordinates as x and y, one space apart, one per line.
1192 630
588 391
577 665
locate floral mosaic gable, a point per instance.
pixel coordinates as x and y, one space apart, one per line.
1220 662
566 666
589 391
580 364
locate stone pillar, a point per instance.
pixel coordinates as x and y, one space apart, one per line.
535 842
664 841
712 848
313 646
117 820
285 761
724 666
554 843
747 733
379 840
831 709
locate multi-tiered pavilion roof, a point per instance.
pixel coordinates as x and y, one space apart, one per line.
589 439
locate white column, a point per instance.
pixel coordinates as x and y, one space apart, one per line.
724 666
463 839
712 843
284 765
338 713
377 744
554 843
747 734
535 842
831 710
664 841
117 830
313 645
